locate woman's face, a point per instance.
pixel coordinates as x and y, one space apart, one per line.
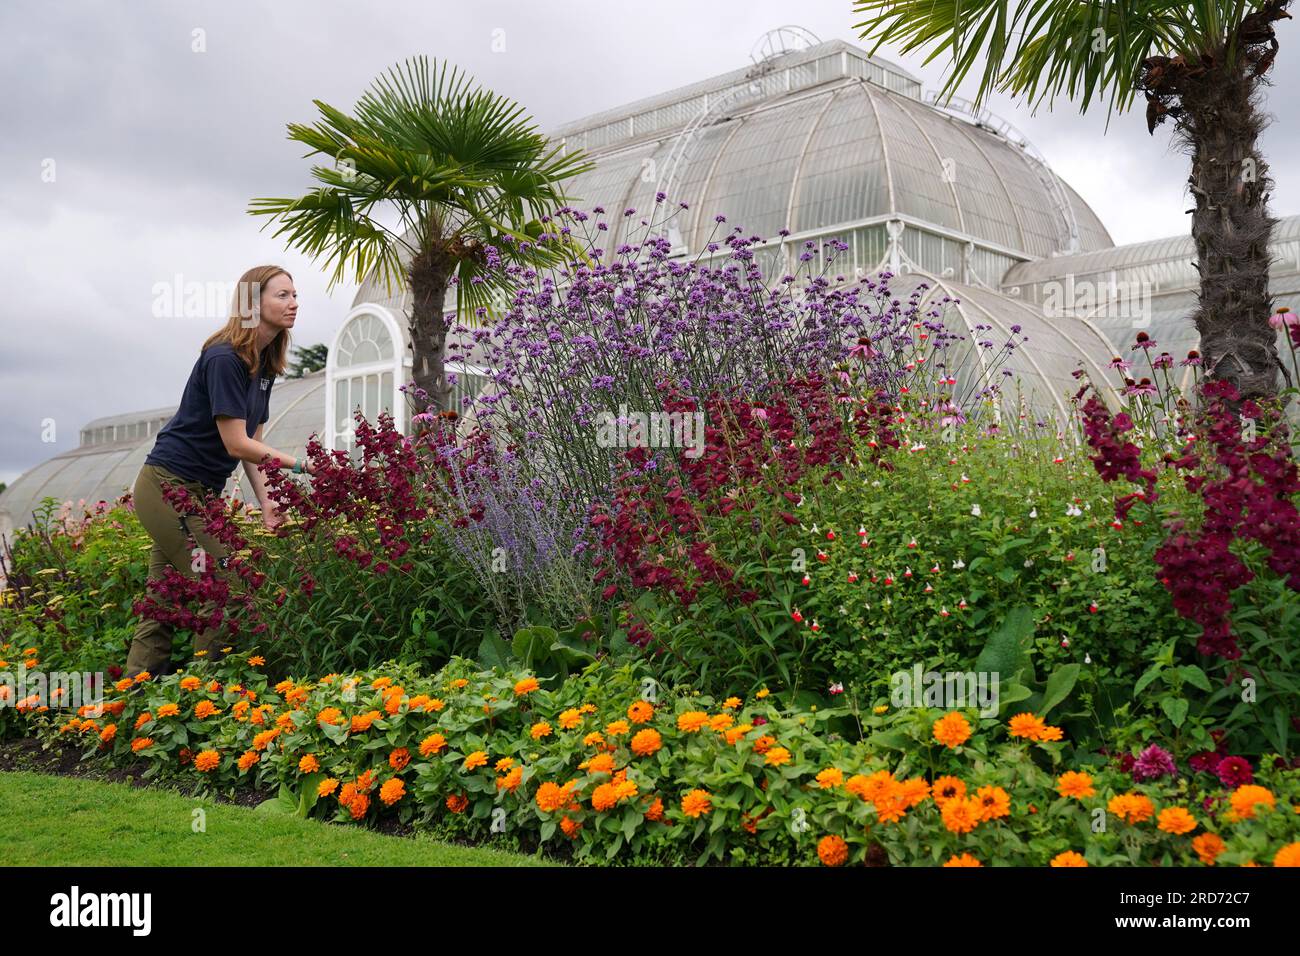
279 304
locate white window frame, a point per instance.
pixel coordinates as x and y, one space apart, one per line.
398 366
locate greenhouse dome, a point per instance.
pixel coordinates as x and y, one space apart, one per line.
821 141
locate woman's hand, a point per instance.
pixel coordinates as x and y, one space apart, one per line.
271 516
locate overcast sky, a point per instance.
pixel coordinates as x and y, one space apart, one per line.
154 151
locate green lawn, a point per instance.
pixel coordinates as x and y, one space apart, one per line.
62 821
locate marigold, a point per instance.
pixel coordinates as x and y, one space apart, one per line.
399 758
963 859
431 744
206 760
947 788
457 803
832 850
392 791
952 730
776 757
140 743
601 763
510 782
646 742
655 811
551 796
1176 820
327 786
961 815
526 686
913 790
539 730
477 759
720 722
1026 725
692 720
1075 784
1131 807
359 805
1245 798
248 758
1289 855
640 712
697 802
1068 858
1208 846
830 777
168 710
994 802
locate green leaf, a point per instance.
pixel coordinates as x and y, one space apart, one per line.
1152 673
493 651
532 644
1195 676
1175 709
1059 686
1006 650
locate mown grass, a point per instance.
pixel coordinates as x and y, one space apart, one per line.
61 821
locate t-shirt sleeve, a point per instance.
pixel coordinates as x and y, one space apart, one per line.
227 381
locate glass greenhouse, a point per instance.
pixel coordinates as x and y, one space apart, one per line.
823 142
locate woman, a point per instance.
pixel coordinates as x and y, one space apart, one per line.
219 423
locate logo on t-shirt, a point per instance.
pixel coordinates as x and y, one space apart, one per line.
265 384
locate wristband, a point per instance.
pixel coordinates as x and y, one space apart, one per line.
297 467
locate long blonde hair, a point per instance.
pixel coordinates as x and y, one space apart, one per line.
241 334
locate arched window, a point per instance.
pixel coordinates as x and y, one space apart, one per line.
365 367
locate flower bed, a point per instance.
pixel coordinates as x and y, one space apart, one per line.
614 767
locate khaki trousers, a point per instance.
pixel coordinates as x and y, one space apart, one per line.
175 538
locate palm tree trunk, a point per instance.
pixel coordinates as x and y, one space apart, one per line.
429 275
1231 227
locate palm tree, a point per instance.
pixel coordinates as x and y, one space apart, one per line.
1198 63
461 167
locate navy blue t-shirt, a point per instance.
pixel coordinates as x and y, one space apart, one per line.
189 445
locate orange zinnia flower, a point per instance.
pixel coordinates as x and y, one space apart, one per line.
832 850
526 686
963 859
1245 798
457 803
947 788
1075 784
961 815
777 756
191 683
477 759
952 730
206 760
1176 820
646 742
330 715
570 827
697 802
539 730
570 719
327 786
640 712
1068 858
656 810
392 791
431 744
1026 725
1289 855
692 721
830 777
511 780
359 805
399 758
551 796
140 743
1208 846
308 764
168 710
995 803
617 728
248 758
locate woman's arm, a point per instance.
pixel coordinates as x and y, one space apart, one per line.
257 481
234 435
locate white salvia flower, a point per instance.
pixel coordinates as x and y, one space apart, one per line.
1033 513
958 564
975 510
1087 659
